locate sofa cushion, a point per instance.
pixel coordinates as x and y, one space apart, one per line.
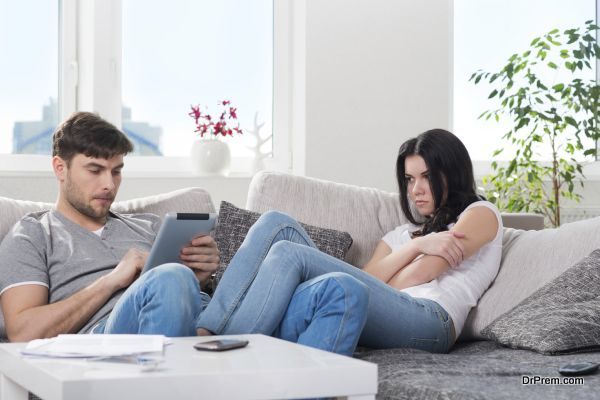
531 259
367 214
234 223
191 199
482 370
13 210
561 317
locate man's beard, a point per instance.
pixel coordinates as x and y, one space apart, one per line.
75 198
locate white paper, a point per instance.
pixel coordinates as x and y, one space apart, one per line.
95 345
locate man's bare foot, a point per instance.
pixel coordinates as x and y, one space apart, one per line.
203 332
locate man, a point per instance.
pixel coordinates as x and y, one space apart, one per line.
76 267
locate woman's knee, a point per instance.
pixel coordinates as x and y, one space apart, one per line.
294 253
282 247
275 218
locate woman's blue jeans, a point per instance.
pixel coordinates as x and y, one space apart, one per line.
278 260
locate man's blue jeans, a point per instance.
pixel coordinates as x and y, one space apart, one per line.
166 300
277 259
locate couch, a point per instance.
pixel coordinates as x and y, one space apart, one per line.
477 367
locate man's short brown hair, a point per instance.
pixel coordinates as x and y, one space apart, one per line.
88 134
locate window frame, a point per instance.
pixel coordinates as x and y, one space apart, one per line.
90 80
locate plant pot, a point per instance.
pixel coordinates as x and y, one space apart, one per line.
210 157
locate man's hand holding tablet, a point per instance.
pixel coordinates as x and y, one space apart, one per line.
203 257
178 238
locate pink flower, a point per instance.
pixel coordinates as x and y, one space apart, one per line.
222 127
195 113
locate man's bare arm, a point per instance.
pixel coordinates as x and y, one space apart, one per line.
28 315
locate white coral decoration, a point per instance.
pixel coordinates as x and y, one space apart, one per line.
259 155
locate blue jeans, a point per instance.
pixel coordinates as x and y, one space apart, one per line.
327 312
166 300
277 258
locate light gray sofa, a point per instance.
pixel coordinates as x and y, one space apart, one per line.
476 368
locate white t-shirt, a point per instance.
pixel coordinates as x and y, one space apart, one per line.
458 289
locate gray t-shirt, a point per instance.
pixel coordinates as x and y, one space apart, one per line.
46 248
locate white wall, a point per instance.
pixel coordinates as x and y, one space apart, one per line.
377 72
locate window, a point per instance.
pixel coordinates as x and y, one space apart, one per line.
29 78
485 35
209 52
139 64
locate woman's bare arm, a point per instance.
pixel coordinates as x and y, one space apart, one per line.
385 263
479 225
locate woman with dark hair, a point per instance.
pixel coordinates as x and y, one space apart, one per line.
423 277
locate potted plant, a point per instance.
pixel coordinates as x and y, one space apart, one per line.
556 116
211 156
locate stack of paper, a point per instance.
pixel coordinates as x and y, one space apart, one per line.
85 346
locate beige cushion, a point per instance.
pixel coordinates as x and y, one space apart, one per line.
366 214
13 210
530 259
183 200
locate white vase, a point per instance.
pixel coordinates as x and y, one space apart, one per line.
210 157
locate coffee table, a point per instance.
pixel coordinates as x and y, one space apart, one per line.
267 368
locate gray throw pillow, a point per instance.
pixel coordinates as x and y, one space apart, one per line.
561 317
233 225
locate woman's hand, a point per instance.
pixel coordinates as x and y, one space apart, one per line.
442 244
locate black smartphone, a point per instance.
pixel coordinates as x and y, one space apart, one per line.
578 368
221 345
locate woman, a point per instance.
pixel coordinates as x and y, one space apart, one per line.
423 277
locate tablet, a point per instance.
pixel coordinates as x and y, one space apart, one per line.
175 233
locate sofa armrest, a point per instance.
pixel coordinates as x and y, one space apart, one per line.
524 221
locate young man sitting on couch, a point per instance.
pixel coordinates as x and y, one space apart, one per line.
76 268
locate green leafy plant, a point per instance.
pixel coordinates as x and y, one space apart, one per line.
549 115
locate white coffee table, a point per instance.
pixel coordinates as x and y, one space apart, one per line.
267 368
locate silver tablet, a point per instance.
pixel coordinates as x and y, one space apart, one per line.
176 232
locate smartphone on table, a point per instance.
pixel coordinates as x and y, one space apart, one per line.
221 345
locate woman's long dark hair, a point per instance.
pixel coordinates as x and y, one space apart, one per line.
450 171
